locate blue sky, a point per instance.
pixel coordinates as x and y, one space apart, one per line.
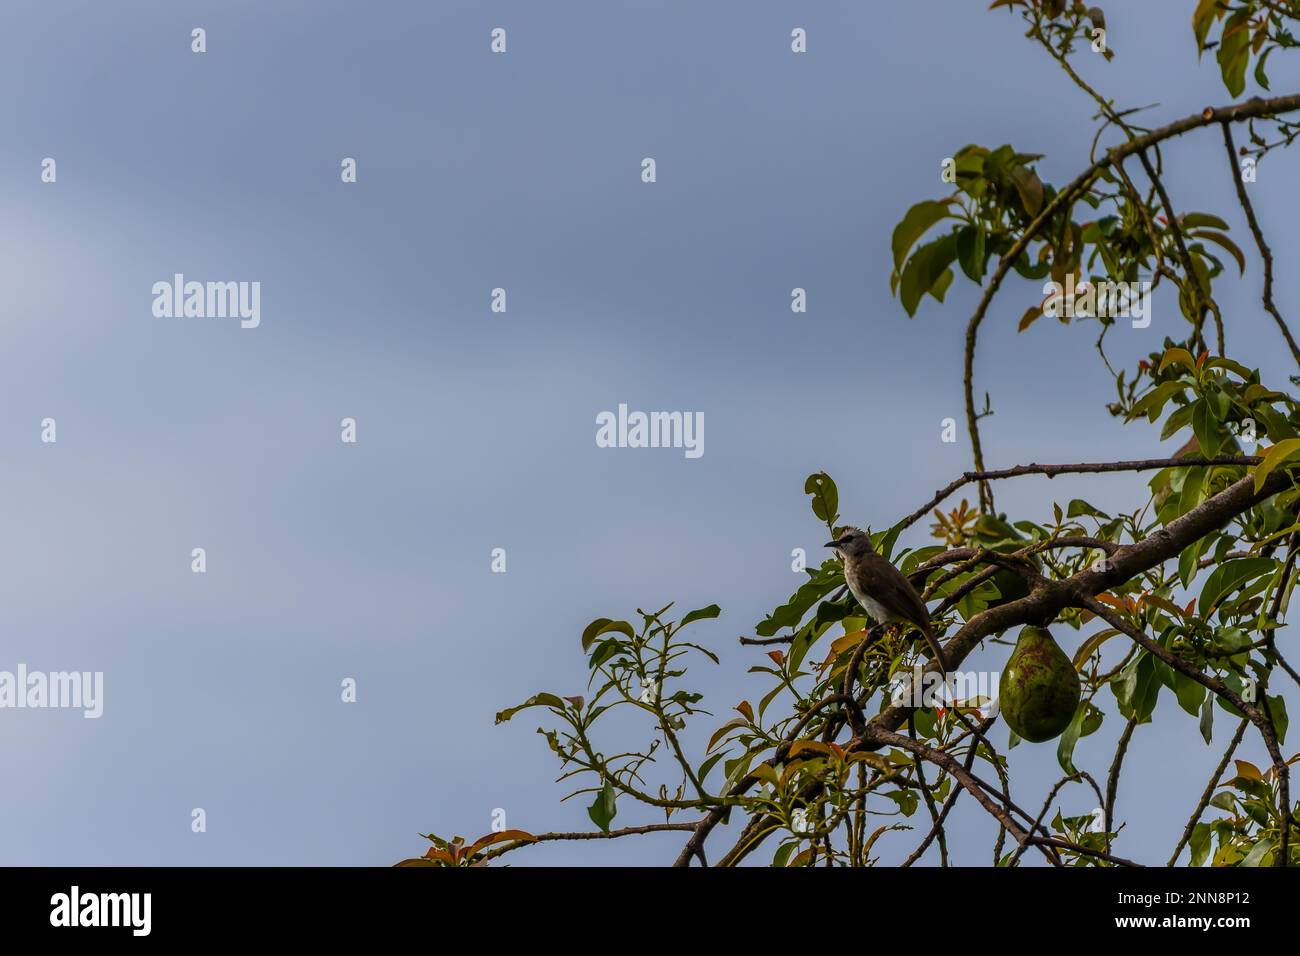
476 430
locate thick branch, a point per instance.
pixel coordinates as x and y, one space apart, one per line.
1043 603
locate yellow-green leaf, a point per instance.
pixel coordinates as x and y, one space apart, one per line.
1248 770
723 731
1090 646
1219 239
1181 356
1272 458
914 225
842 644
799 746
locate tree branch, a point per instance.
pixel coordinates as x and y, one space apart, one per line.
1265 253
1084 468
1043 603
581 835
1209 791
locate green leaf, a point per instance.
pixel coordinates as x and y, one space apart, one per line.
710 763
913 559
1189 561
1193 489
1207 718
1227 577
1203 18
1078 507
1264 847
799 647
1190 694
1261 77
736 769
1275 425
1255 392
1177 421
1219 239
603 625
1200 843
1091 646
907 800
733 724
1092 721
537 700
923 270
700 614
971 253
782 855
1224 801
1241 371
1206 429
1236 685
941 284
1137 687
1195 220
1180 356
1275 455
823 581
825 496
1277 709
604 651
603 808
884 541
1234 52
1153 402
1029 187
1065 749
914 225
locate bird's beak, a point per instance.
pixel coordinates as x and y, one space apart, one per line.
831 544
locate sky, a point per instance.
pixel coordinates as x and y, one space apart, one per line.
372 560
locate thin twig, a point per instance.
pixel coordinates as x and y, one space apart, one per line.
1083 468
1265 253
1209 791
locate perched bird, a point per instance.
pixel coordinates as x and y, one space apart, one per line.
883 589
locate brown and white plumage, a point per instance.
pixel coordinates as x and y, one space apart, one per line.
882 589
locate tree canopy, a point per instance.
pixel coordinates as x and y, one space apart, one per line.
1176 603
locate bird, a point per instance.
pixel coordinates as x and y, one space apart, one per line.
882 589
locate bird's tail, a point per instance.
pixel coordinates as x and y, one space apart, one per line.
936 649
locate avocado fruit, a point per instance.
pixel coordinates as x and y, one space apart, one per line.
1039 689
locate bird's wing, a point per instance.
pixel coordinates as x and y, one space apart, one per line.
896 593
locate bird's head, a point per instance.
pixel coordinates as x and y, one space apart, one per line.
852 543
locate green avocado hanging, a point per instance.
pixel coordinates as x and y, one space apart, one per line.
1039 688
